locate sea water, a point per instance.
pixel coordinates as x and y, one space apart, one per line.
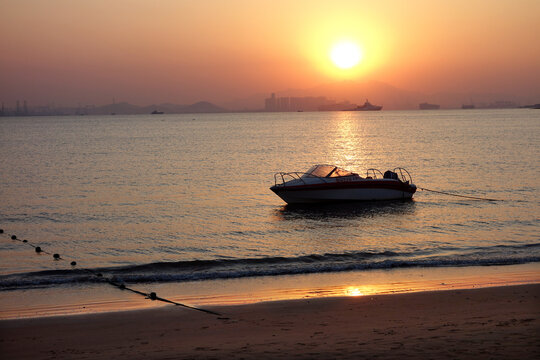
179 198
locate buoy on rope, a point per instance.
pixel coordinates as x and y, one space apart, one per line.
151 296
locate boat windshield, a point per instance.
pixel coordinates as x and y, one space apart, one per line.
326 171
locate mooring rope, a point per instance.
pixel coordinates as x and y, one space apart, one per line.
462 196
121 286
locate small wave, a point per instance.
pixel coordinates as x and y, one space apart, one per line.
198 270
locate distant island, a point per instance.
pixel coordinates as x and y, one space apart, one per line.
122 108
332 96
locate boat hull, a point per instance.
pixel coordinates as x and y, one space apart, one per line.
340 192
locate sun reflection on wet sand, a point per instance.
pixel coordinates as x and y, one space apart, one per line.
353 291
375 282
75 300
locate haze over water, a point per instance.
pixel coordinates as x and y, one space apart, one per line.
146 198
57 52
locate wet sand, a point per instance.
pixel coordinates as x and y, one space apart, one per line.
488 323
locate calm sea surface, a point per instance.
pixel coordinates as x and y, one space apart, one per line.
186 197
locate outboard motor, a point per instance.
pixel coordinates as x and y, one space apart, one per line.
390 175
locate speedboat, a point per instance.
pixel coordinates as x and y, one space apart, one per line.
329 183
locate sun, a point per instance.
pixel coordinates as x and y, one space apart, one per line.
345 55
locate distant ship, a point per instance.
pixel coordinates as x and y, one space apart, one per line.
426 106
155 112
467 106
366 107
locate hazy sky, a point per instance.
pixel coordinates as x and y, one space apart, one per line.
182 51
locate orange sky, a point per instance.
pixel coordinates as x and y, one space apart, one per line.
182 51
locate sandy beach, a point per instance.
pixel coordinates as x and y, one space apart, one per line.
489 323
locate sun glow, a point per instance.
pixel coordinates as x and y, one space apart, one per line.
345 55
345 50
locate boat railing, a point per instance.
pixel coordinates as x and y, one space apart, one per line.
374 174
403 175
286 177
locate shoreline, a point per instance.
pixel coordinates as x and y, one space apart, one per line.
495 322
101 298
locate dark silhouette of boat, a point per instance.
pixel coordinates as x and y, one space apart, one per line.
366 107
155 112
328 183
426 106
467 106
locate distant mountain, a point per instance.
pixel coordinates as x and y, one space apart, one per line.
254 102
203 107
198 107
356 92
116 108
167 108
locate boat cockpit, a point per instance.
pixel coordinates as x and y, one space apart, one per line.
327 171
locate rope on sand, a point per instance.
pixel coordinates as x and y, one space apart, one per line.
121 286
462 196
